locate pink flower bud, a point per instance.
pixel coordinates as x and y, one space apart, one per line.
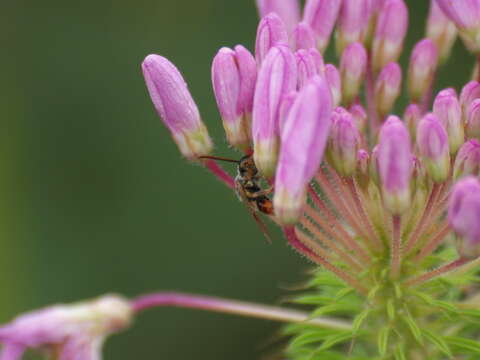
71 331
466 16
395 164
271 32
344 142
360 116
390 33
276 79
447 109
288 10
175 106
473 119
432 141
285 107
441 30
303 37
333 79
306 66
353 21
353 67
321 15
423 64
387 88
464 214
234 74
467 161
303 142
411 117
470 92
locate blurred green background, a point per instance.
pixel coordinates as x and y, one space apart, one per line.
95 196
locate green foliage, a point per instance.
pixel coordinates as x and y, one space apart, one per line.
394 322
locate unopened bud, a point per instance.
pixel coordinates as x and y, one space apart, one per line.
333 79
175 106
395 165
390 33
353 67
321 15
271 32
447 109
279 68
464 215
411 117
421 71
387 88
304 138
344 142
467 161
303 37
288 10
473 120
432 141
441 30
466 16
353 22
234 74
470 92
360 116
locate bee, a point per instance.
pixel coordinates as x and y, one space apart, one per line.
249 189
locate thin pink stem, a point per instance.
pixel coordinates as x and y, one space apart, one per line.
221 174
396 246
338 201
411 242
442 270
221 305
293 240
340 234
434 242
363 214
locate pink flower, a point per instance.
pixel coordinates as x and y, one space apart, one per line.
387 87
321 15
271 32
467 161
423 64
303 37
288 10
73 332
175 106
276 79
353 67
304 138
234 75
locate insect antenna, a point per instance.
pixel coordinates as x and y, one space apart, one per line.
219 158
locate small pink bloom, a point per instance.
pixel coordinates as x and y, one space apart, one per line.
175 106
303 37
423 64
344 142
285 108
271 32
321 15
304 138
390 33
234 74
288 10
467 161
447 109
353 22
276 79
464 214
353 67
466 16
441 30
73 331
333 79
387 88
432 141
395 164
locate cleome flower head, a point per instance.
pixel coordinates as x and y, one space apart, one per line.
384 203
67 332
